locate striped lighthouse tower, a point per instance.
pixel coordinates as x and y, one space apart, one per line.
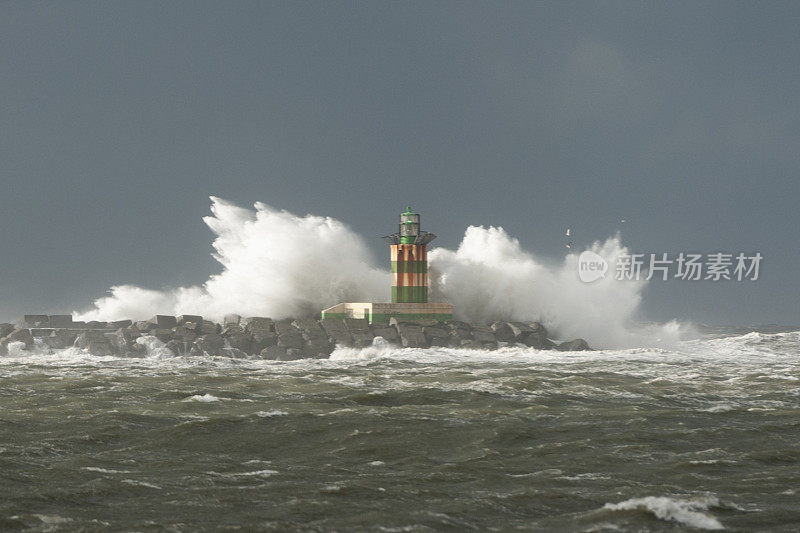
409 256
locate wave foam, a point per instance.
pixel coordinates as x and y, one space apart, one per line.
278 264
685 512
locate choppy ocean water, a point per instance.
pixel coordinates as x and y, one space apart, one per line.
705 436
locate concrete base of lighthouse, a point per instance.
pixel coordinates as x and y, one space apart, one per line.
382 312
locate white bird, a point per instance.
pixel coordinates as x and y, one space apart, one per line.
622 221
567 232
569 244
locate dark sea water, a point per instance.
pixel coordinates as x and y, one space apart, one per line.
705 436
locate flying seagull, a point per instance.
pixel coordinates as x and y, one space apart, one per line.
569 244
567 232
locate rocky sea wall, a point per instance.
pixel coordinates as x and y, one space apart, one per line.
264 338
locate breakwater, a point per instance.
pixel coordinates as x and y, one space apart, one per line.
264 338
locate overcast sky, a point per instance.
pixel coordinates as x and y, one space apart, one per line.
118 120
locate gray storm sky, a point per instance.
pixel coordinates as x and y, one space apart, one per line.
120 119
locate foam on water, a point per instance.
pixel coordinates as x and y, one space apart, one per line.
278 264
683 511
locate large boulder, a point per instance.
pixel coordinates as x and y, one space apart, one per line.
520 330
576 345
182 320
411 335
162 334
289 337
231 319
18 335
60 321
337 331
242 342
184 333
163 321
258 324
118 324
261 329
124 338
503 332
207 328
60 339
5 329
483 338
210 344
273 353
388 333
177 347
144 325
33 321
538 341
95 342
436 336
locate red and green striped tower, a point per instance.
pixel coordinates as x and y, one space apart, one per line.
409 256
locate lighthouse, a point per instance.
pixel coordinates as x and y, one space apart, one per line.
408 253
408 249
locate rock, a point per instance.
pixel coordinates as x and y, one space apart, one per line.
164 335
577 345
60 339
241 342
164 321
124 338
362 339
231 329
264 340
484 337
538 328
5 329
184 334
95 342
459 335
33 321
18 335
120 324
356 324
538 341
182 320
176 347
211 344
503 332
411 335
436 336
41 332
394 321
144 326
290 340
388 333
60 321
207 328
78 324
308 324
285 326
231 319
258 325
96 324
273 353
520 330
337 331
318 346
